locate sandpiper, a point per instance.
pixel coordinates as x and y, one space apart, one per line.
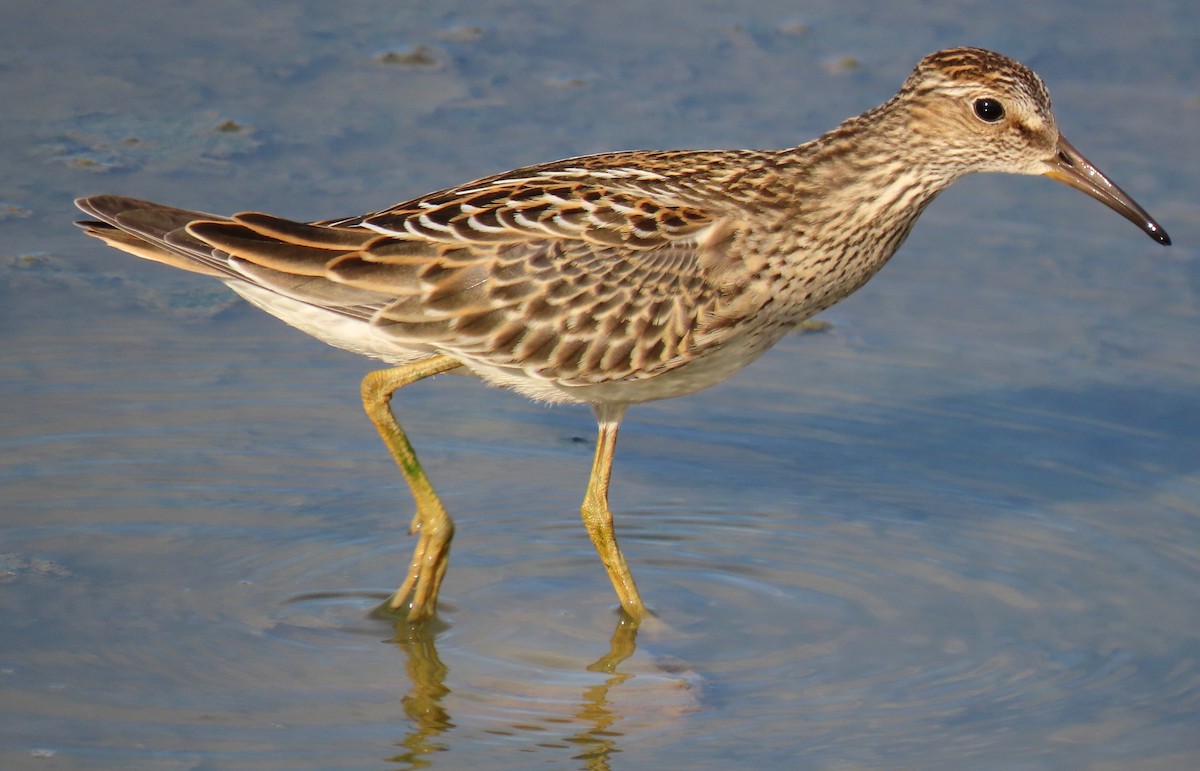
617 278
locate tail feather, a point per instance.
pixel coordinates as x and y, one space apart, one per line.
153 232
258 255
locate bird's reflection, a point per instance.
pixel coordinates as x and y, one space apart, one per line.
423 702
597 739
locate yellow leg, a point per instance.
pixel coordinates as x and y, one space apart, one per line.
431 523
598 519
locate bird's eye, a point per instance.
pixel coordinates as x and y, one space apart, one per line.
989 110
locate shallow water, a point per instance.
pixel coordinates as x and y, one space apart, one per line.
956 529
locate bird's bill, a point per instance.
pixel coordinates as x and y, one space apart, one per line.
1071 168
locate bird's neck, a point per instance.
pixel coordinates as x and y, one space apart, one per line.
872 173
858 190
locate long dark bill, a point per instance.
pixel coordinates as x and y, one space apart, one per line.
1071 168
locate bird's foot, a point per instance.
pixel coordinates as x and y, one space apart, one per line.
426 569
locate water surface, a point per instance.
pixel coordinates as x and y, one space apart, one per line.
956 529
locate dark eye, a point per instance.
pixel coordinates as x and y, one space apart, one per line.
989 110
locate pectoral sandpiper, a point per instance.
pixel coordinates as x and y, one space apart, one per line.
618 278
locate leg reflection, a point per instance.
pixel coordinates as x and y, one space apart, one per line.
423 703
599 740
596 716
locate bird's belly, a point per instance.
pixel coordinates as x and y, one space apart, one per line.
360 336
349 333
688 377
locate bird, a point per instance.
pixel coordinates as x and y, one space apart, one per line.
617 278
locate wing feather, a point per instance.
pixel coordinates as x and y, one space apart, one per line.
582 271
